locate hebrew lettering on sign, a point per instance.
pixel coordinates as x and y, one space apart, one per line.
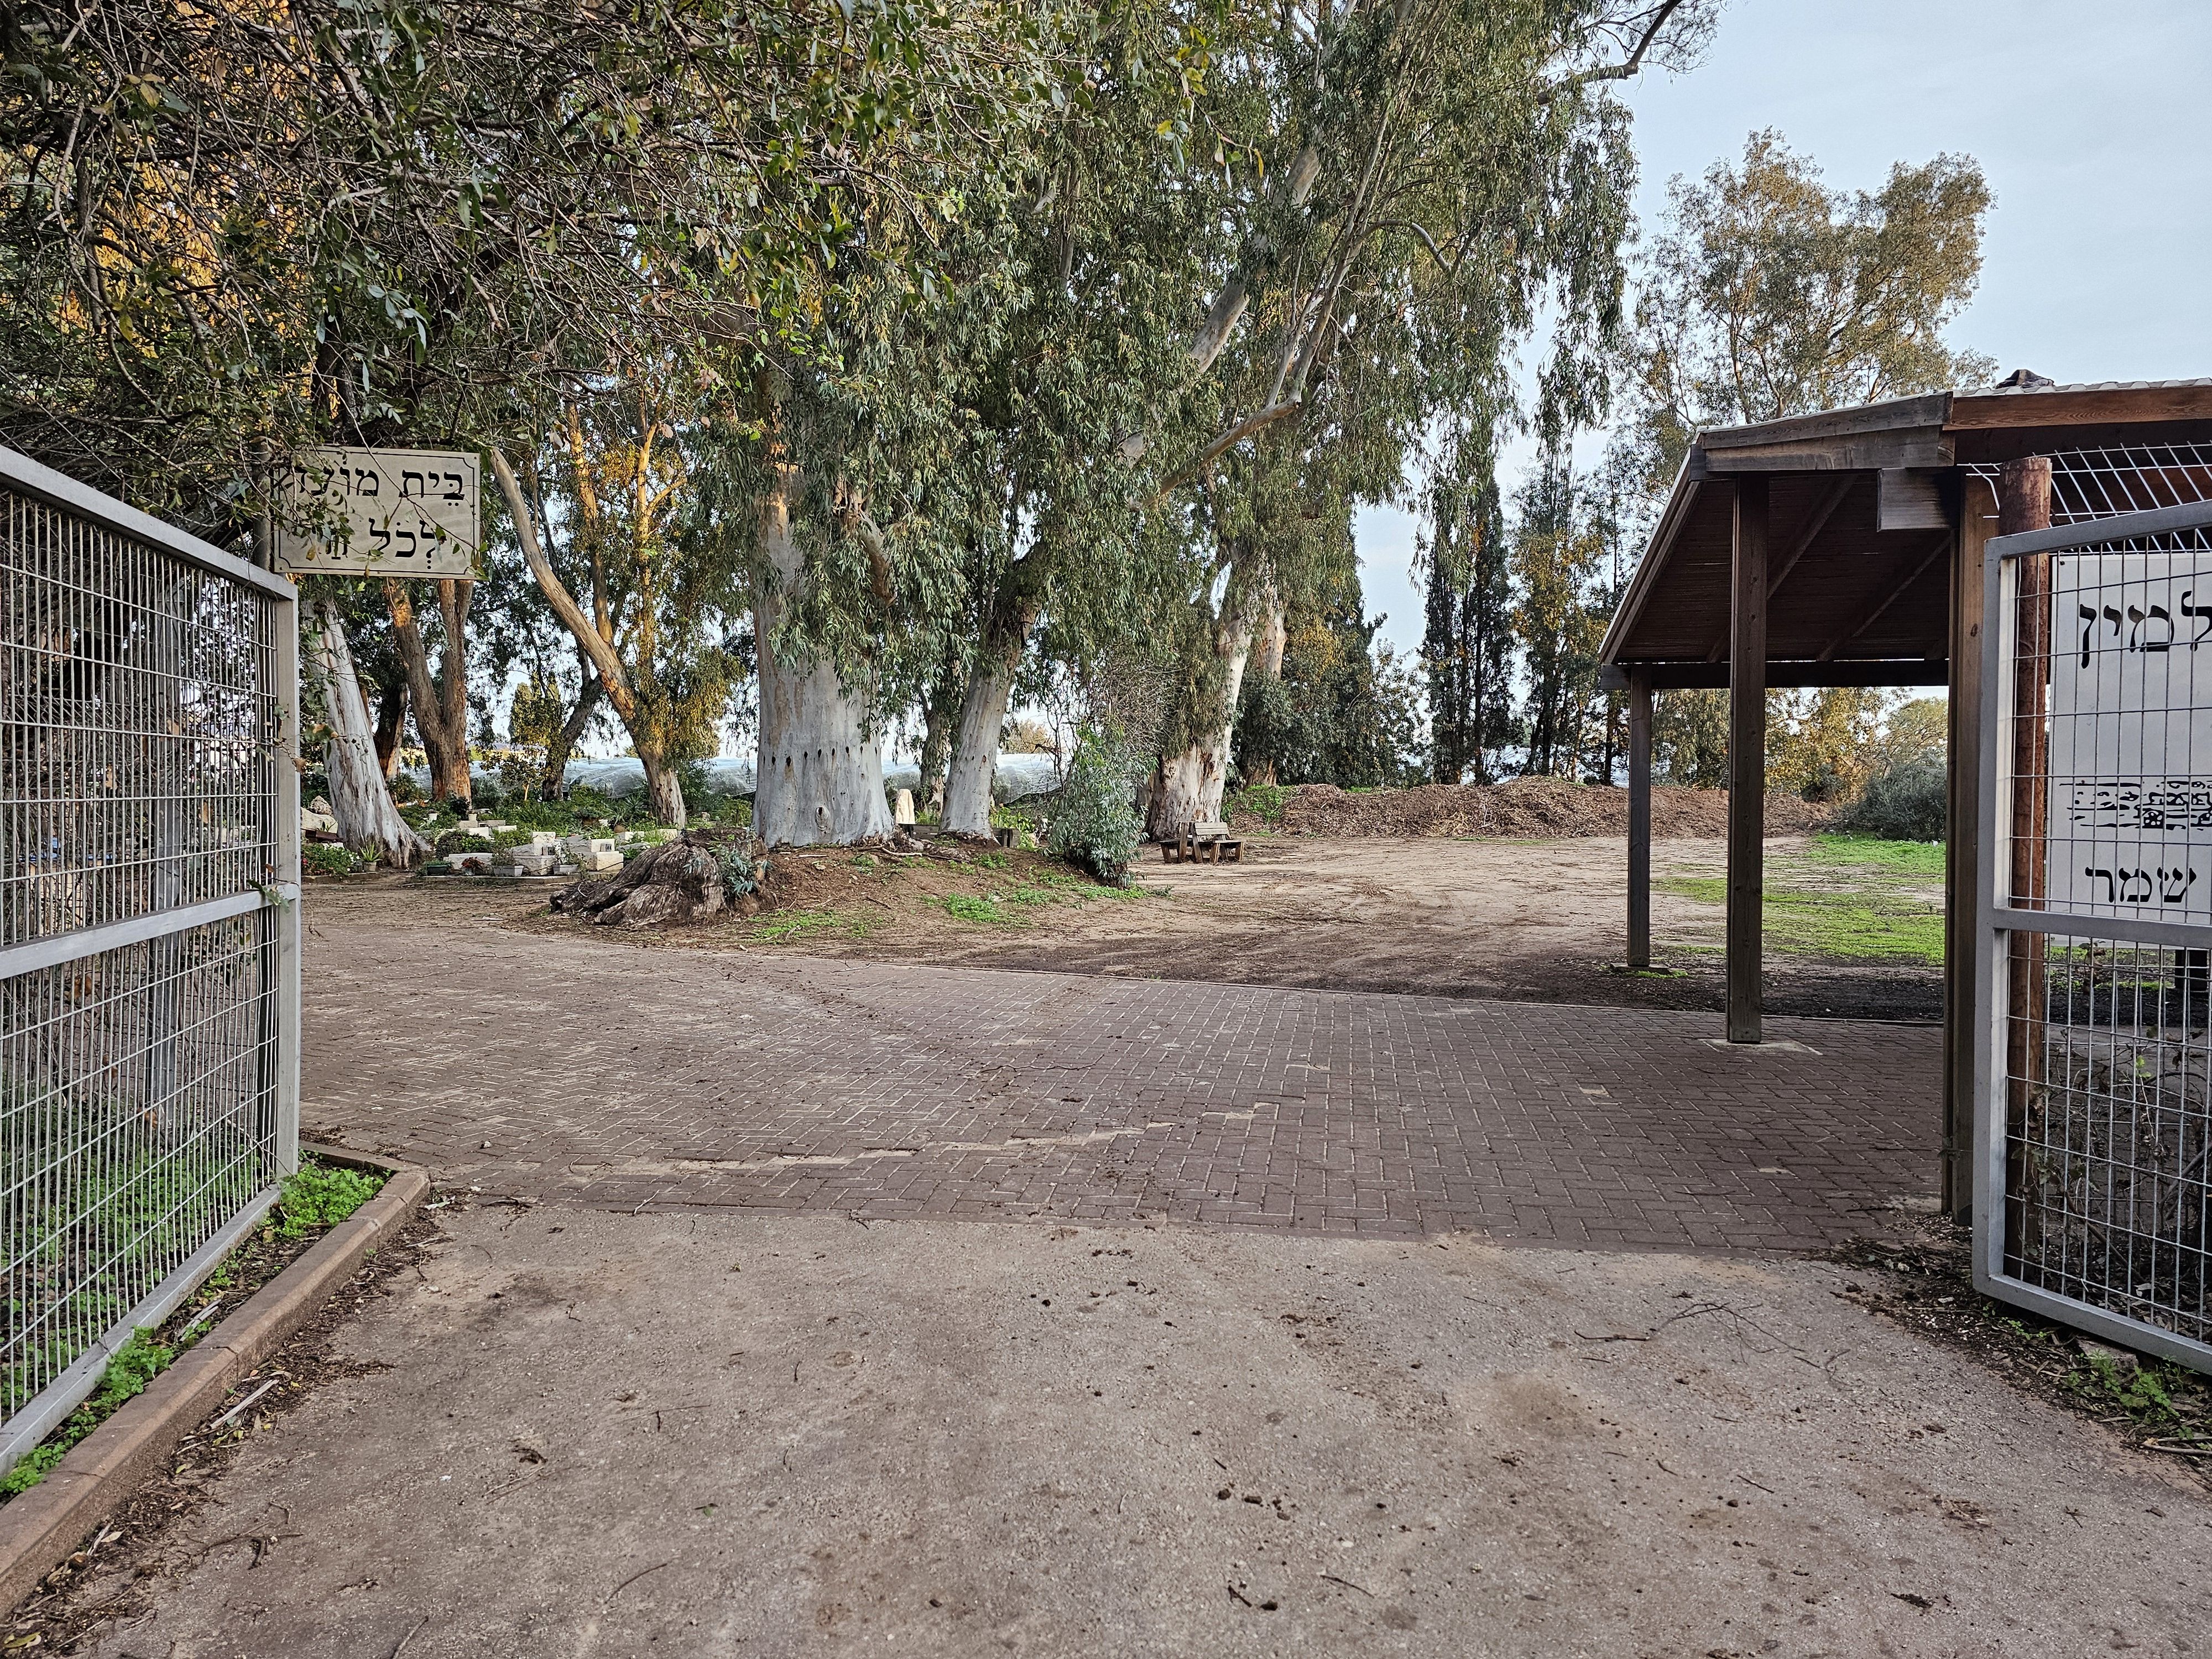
381 513
2130 798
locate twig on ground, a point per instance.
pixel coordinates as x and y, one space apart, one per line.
248 1401
633 1578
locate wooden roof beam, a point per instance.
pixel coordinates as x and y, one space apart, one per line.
1823 509
1895 591
1784 674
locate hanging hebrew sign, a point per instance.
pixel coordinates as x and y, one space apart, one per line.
379 512
2130 812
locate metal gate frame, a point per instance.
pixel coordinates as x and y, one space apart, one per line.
268 892
1998 919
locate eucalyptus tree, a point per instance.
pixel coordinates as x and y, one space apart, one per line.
1446 171
604 524
1767 293
1112 230
234 231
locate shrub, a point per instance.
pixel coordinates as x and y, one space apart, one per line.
510 837
1095 826
324 859
1265 800
461 841
1904 801
741 872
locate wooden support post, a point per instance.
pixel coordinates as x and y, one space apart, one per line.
1747 806
2024 503
1639 818
1962 850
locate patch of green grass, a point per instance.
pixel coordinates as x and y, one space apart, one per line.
1850 927
1043 887
1903 858
991 860
316 1197
799 924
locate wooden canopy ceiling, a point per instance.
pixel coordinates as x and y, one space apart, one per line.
1862 523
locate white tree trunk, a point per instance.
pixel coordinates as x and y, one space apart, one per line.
360 800
820 776
974 763
1191 783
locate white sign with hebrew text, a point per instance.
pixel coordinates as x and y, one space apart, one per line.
2130 802
381 513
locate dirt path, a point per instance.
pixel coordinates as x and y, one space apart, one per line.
579 1434
1530 921
1525 921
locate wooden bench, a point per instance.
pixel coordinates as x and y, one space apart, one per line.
1204 842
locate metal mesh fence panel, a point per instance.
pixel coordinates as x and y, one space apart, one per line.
2109 1125
147 924
137 726
139 1116
2097 1132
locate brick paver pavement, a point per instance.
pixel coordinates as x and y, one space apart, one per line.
604 1073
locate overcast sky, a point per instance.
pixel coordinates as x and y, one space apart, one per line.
2087 119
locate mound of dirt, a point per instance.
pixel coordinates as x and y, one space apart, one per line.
1546 809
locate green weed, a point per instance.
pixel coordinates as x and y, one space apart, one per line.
973 907
321 1195
799 924
129 1369
1266 801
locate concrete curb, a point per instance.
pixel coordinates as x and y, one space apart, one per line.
41 1529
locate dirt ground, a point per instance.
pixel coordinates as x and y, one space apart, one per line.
568 1426
568 1432
1520 918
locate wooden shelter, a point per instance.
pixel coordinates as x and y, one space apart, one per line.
1845 549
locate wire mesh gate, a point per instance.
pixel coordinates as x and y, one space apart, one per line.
148 925
2093 1185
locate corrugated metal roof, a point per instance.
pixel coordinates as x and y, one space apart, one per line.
2082 386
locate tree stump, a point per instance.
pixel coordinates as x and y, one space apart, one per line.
665 886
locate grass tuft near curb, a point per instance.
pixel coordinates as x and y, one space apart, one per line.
312 1200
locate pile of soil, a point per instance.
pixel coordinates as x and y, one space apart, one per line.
1541 809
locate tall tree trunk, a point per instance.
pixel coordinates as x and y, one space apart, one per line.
1189 789
553 782
819 780
983 709
441 701
664 786
941 713
1267 662
597 647
360 800
391 726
